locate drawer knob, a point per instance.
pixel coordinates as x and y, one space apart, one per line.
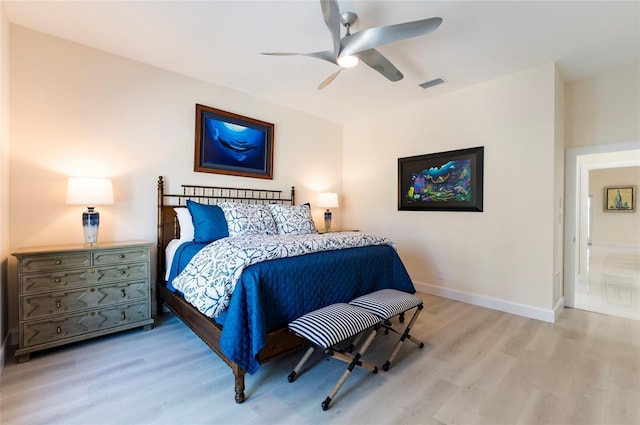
123 292
123 315
58 262
92 290
122 255
58 329
57 280
123 271
58 304
92 271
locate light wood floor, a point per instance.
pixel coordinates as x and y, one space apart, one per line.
479 366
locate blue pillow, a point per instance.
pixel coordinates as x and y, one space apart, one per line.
208 222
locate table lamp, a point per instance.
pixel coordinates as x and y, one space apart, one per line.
89 191
327 200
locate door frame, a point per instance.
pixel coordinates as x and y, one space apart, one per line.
578 162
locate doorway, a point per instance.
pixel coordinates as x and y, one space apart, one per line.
602 250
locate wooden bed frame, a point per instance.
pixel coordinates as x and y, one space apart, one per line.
279 342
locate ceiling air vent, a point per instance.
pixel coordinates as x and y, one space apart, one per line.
432 83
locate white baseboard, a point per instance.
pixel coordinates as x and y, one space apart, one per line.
546 315
557 309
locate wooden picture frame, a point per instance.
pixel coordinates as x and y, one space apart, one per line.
620 199
443 181
228 143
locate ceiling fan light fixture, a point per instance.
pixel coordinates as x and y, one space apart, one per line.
348 61
351 49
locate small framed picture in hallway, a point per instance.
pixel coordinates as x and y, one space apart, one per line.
620 198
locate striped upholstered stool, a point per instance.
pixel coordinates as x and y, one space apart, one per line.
388 303
329 326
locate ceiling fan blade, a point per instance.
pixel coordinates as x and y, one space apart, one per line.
326 55
329 79
374 37
331 14
377 61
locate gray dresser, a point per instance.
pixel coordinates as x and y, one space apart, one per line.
69 293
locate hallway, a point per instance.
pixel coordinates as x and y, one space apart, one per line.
612 282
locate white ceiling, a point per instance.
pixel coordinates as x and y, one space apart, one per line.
220 41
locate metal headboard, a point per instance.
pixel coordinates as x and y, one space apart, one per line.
168 227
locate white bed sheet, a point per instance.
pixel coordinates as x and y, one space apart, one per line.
170 252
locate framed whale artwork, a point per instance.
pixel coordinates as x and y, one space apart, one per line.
228 143
443 181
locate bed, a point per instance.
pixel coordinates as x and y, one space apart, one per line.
251 329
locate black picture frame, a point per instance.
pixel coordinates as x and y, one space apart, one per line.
228 143
443 181
620 199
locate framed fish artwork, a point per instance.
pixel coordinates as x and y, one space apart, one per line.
443 181
228 143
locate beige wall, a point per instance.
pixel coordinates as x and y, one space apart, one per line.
4 177
613 228
80 111
502 257
604 109
513 259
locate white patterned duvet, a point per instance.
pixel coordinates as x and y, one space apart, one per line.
208 281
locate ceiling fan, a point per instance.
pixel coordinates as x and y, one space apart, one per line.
349 50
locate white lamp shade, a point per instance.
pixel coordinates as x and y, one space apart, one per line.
89 191
328 200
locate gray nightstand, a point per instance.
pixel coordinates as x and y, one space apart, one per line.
69 293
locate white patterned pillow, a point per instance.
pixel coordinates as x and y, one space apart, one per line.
293 220
248 219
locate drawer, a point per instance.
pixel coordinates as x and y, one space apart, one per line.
43 332
53 280
55 262
121 256
56 303
118 273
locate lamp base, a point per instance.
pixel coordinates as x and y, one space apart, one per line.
327 220
90 224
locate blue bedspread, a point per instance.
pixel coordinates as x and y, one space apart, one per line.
273 293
